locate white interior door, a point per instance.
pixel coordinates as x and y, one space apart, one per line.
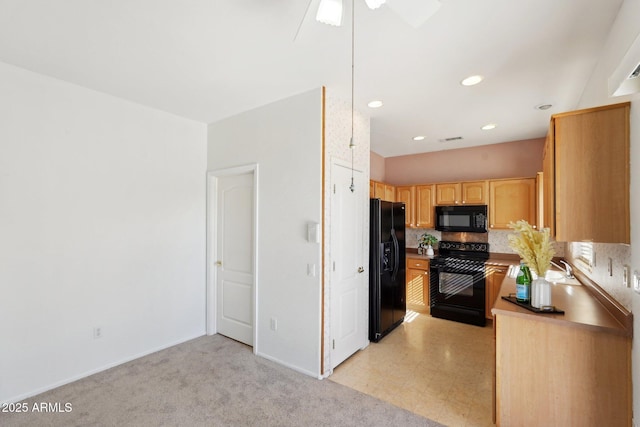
234 253
349 321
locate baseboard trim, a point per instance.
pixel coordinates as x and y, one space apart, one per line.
74 378
290 366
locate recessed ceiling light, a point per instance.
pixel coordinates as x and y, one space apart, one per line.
375 104
472 80
418 138
489 126
543 106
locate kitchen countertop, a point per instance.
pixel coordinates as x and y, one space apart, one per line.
581 308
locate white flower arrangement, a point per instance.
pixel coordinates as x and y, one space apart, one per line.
533 246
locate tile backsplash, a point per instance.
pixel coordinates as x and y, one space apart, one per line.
497 239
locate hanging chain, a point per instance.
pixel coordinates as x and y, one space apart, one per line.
352 187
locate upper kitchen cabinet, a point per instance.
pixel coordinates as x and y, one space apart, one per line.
406 194
382 191
378 188
424 201
586 175
512 200
389 193
455 193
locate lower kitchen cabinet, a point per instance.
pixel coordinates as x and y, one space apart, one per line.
418 284
495 274
570 369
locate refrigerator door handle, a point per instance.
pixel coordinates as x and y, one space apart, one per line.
396 254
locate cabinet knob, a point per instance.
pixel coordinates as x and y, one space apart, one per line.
491 225
219 263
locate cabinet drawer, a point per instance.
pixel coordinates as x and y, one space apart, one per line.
422 264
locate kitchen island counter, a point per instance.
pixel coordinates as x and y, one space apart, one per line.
562 369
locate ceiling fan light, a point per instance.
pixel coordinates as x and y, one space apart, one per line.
330 12
374 4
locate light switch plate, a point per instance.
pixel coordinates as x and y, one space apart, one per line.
636 281
625 277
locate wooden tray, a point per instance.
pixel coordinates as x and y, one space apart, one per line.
544 309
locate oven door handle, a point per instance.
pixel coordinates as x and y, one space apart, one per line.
396 255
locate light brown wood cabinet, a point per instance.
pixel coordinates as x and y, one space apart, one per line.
406 194
456 193
424 211
495 274
389 193
379 190
382 191
448 194
418 284
586 175
571 369
512 200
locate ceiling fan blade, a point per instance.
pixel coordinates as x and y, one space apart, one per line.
306 12
414 12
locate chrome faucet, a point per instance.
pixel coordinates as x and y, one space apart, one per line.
568 271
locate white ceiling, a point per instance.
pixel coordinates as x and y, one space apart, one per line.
210 59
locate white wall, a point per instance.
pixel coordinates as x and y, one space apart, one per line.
285 140
102 223
625 30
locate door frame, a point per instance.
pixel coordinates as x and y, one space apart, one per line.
211 270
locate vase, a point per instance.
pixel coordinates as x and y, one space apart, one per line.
429 250
540 292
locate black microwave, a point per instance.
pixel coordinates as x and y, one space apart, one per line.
465 218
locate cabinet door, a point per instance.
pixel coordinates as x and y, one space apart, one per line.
389 193
448 194
475 192
417 284
407 195
379 190
512 200
548 177
372 189
592 175
424 206
495 276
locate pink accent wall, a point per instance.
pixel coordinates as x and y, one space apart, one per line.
506 160
377 167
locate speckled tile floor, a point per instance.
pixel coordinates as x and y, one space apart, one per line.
433 367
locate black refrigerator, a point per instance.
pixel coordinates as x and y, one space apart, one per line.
387 268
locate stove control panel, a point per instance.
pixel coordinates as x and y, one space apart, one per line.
464 246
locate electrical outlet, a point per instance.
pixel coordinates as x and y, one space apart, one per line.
636 281
274 324
610 267
97 332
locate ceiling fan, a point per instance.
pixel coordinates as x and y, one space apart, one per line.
414 12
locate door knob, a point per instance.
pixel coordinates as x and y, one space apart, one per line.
360 270
219 263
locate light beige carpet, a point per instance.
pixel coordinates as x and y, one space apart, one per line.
209 381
